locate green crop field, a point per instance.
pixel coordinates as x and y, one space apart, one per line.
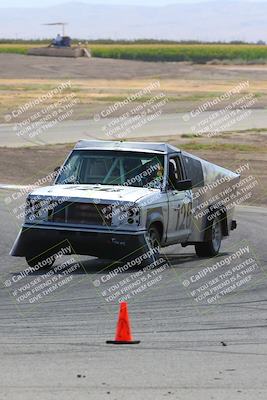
197 53
15 48
193 53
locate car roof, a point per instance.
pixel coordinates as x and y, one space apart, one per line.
148 147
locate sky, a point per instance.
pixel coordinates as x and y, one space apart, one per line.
43 3
227 20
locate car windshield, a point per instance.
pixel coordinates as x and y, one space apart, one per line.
113 168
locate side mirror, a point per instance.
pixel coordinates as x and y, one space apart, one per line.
183 185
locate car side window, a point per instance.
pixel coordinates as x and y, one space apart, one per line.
175 172
194 171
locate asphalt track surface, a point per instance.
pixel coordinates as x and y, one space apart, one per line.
164 125
57 349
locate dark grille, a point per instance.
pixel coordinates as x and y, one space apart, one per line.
80 213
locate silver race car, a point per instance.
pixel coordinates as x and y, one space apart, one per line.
112 199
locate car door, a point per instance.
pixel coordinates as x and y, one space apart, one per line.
179 202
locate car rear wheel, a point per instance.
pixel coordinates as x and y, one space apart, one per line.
212 247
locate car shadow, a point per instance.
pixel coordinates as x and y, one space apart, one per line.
100 266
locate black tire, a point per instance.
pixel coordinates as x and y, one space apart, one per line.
212 246
153 243
153 236
33 261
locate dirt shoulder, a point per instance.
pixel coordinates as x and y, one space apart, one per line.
15 66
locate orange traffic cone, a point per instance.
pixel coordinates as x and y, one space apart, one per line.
123 332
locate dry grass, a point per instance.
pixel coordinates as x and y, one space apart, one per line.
94 94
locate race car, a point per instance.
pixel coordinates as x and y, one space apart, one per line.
113 199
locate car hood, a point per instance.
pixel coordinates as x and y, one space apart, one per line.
94 193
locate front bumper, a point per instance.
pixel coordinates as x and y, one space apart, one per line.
35 239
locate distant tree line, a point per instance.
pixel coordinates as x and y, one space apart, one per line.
124 41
